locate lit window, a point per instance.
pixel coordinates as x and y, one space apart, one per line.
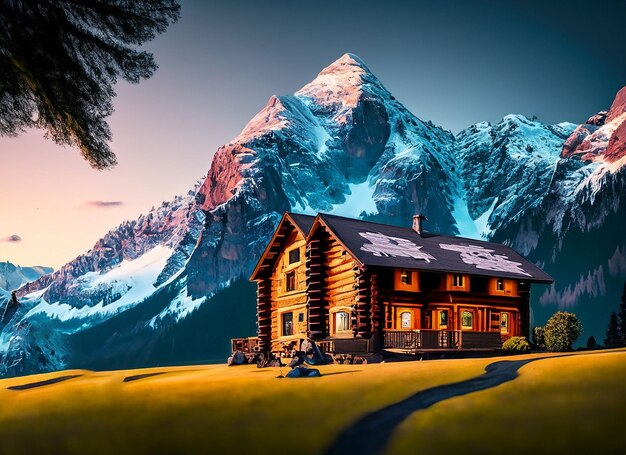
406 277
342 321
294 256
406 320
504 322
467 320
287 324
500 284
457 281
443 319
291 281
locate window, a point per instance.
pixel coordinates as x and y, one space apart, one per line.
294 256
342 321
443 319
291 281
300 317
406 277
500 285
504 323
467 320
287 324
457 281
406 320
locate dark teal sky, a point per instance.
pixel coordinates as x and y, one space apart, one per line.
455 63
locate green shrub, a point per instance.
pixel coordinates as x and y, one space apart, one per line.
516 345
561 331
539 339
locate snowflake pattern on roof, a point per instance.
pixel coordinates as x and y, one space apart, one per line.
384 245
484 258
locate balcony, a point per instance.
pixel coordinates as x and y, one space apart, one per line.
412 341
245 345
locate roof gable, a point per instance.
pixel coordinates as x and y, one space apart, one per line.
302 223
375 244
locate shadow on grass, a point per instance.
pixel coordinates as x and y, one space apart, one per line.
142 376
32 385
371 433
342 372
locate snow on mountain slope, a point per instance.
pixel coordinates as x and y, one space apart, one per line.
506 168
127 283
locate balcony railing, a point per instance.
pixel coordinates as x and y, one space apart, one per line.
414 340
245 345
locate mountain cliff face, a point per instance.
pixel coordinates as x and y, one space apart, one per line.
170 286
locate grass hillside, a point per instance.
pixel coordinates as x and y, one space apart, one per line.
574 403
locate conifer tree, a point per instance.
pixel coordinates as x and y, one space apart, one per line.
621 316
592 343
59 61
612 338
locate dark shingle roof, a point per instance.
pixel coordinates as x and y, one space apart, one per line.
382 245
303 222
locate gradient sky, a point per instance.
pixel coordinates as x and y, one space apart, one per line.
455 63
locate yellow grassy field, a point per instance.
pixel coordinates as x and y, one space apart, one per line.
217 409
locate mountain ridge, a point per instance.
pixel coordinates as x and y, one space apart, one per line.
341 144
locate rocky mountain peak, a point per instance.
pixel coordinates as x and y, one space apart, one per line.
269 118
340 87
618 107
347 63
603 136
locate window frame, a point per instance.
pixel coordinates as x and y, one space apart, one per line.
471 319
336 318
285 322
458 278
289 256
446 317
291 283
410 319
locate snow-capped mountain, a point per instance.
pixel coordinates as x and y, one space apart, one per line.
13 276
170 286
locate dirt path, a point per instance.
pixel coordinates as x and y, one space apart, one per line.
370 434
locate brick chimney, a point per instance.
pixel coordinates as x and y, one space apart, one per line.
417 222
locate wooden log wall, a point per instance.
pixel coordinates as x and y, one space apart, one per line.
377 316
341 282
264 314
315 274
363 315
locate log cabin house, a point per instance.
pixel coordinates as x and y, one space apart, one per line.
359 287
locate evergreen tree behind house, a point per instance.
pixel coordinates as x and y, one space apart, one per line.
616 327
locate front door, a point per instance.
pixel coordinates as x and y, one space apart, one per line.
504 323
494 321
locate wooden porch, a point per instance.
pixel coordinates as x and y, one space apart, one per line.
245 345
414 341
